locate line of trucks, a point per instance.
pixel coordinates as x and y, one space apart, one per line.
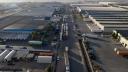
67 65
64 31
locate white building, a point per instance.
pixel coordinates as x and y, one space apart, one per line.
44 59
106 17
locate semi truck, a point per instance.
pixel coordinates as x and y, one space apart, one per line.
65 31
66 58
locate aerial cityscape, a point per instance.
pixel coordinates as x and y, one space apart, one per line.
63 36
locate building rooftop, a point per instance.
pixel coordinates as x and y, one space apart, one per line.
124 33
8 35
103 8
89 4
109 17
114 22
114 19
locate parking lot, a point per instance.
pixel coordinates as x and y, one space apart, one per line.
103 48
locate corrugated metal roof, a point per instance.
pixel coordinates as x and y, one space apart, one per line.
14 35
124 33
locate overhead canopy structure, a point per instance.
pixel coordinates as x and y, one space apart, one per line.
13 35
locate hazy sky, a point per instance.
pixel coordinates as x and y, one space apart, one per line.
55 0
39 0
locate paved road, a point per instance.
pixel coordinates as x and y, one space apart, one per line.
60 66
106 57
76 62
75 56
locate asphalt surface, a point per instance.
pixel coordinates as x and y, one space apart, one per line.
30 17
106 57
60 66
25 22
75 56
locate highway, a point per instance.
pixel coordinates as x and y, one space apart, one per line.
80 27
76 60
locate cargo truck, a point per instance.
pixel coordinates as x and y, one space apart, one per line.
65 31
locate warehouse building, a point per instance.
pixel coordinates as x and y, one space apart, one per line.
109 20
21 60
14 35
106 17
28 53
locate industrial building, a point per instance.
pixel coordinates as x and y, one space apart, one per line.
106 17
14 35
24 58
44 59
15 58
18 52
